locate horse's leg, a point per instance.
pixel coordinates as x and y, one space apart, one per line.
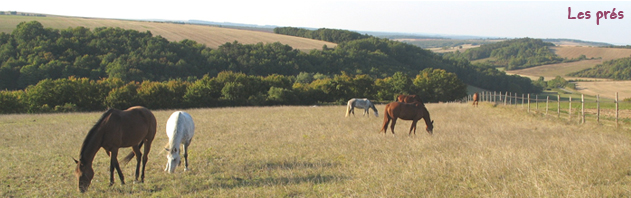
114 165
136 150
394 121
186 155
145 158
413 127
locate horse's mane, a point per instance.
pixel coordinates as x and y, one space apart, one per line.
92 131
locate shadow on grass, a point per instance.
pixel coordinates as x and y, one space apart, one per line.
237 182
259 174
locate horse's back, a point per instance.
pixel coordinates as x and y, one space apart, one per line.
180 123
139 121
405 111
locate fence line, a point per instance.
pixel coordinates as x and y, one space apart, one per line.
508 98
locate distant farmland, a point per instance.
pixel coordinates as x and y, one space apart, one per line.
552 70
605 53
211 36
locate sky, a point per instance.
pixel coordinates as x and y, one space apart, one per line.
505 19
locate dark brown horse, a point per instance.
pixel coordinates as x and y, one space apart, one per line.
409 99
475 99
115 129
406 111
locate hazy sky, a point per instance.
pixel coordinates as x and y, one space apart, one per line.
535 19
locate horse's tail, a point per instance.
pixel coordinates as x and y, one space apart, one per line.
348 108
130 155
386 119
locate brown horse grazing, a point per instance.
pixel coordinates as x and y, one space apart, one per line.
475 99
406 111
409 99
116 129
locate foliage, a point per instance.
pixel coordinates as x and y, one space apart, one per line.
557 82
78 69
437 85
32 53
618 69
512 54
227 89
331 35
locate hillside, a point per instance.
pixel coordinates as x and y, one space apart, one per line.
606 54
511 54
211 36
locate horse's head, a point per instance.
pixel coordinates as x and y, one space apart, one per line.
173 160
430 127
84 174
401 98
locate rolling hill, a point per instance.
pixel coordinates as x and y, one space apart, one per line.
211 36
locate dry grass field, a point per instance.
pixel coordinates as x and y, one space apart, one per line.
316 152
465 47
606 88
550 71
605 53
209 35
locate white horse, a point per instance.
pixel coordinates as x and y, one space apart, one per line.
180 129
360 103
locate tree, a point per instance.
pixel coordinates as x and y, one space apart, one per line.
437 85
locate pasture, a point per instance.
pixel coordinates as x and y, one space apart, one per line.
211 36
550 71
300 151
605 53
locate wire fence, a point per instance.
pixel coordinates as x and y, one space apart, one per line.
576 109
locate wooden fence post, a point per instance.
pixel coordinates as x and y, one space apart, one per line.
494 97
528 103
522 101
547 100
515 99
505 98
570 110
558 106
598 108
616 109
582 109
537 102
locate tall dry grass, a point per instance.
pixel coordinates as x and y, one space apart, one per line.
317 152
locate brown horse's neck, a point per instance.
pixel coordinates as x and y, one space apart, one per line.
92 142
428 120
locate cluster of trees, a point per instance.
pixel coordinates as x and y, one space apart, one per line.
226 89
512 54
557 82
323 34
32 53
116 60
618 69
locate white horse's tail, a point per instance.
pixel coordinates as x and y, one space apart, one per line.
348 107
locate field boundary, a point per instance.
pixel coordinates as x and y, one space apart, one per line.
602 111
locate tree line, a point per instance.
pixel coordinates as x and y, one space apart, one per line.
512 54
31 54
226 89
618 69
323 34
